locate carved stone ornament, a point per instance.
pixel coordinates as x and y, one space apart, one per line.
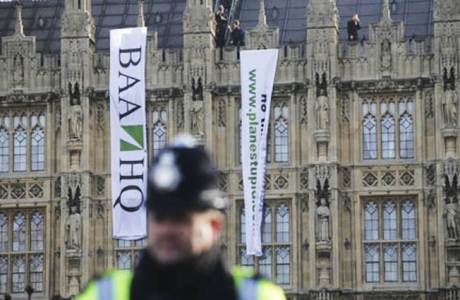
386 60
75 115
197 118
450 100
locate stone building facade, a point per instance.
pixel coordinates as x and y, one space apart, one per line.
363 165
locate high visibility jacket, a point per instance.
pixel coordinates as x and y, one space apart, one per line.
116 286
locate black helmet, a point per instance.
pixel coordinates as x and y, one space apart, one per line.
183 178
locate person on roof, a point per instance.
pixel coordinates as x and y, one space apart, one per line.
353 27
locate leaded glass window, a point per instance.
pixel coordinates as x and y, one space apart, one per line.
389 221
369 137
37 231
159 129
406 137
20 150
278 134
19 274
371 223
159 138
372 253
38 149
390 234
282 222
283 264
36 272
388 137
409 262
390 256
19 232
265 262
281 140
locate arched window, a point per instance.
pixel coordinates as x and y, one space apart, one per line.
38 149
4 150
369 137
406 136
20 150
388 136
281 140
36 232
19 232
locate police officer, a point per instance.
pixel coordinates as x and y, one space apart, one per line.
183 259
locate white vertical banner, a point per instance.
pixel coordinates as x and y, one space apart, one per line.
258 68
128 132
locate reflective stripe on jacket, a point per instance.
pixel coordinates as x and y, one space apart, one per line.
116 286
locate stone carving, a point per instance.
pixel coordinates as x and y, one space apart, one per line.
430 172
197 118
222 113
197 89
322 195
369 179
18 70
322 103
75 116
323 214
73 222
100 113
345 109
429 113
304 111
450 100
386 55
452 214
180 115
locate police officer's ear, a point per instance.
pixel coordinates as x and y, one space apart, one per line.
217 222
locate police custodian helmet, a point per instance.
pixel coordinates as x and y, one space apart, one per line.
181 179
